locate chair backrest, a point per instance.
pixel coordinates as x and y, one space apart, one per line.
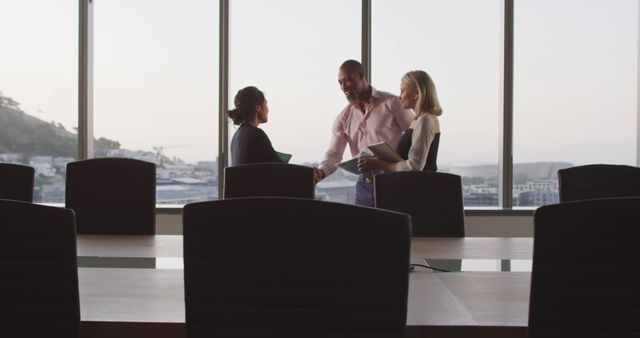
434 201
39 273
598 181
16 182
112 195
288 267
586 269
268 179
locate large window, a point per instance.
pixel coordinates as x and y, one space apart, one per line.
39 90
156 76
575 90
459 43
156 88
294 59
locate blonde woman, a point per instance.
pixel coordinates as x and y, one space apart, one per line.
418 145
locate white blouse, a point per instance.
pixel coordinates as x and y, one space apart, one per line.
424 131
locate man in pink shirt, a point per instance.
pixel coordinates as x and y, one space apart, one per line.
371 116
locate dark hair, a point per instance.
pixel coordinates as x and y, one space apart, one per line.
353 65
246 101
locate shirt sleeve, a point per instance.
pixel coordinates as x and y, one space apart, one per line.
337 145
423 135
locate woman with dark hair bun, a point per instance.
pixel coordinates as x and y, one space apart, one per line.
250 144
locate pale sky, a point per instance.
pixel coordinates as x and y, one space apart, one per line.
156 71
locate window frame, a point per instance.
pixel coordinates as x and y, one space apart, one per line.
505 165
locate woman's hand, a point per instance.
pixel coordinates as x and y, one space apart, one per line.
371 163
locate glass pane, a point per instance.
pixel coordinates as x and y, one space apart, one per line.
156 87
459 43
294 60
39 90
575 90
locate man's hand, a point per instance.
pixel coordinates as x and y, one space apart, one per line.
367 164
318 175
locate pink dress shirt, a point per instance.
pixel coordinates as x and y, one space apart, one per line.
383 120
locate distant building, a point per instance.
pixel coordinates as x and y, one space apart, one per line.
205 175
60 164
207 165
179 170
538 198
539 170
137 154
533 170
535 185
479 195
10 158
51 193
483 170
183 193
43 165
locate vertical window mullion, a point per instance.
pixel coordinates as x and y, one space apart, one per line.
505 178
638 95
366 38
85 81
223 97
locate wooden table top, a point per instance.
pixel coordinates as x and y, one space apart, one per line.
150 302
142 246
457 303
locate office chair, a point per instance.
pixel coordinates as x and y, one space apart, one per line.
586 269
39 283
288 267
112 195
268 179
16 182
598 181
434 201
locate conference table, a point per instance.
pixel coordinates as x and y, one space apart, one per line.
132 286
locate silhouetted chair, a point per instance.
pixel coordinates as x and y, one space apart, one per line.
16 182
112 195
269 179
586 270
598 181
434 201
39 274
289 267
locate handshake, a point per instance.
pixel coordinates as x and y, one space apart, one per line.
318 175
380 156
350 166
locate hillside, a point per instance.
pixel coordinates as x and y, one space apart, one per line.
30 136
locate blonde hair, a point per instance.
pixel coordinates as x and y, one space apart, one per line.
427 98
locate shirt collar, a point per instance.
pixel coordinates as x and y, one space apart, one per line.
375 95
373 99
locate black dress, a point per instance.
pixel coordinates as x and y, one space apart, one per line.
405 144
251 145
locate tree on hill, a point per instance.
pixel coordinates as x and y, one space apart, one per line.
21 133
9 103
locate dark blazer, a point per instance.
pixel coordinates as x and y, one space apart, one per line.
251 145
